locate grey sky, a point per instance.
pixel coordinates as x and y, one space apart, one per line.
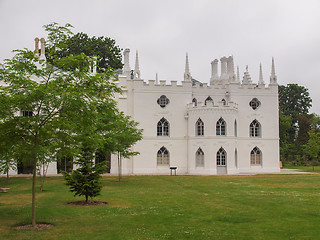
253 31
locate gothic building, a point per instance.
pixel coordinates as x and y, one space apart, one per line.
228 127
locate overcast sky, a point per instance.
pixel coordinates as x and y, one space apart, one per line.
253 31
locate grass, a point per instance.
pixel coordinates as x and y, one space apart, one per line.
315 169
170 207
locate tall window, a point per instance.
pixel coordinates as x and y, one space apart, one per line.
199 128
235 128
199 158
256 156
255 129
163 127
195 101
224 102
163 156
221 127
207 99
221 157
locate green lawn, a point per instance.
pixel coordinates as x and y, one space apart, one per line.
305 168
171 207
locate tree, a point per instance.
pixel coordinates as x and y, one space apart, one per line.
294 100
43 103
294 105
312 147
107 52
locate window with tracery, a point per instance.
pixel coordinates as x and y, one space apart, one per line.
163 127
163 156
221 157
256 156
199 128
163 101
221 127
255 129
254 103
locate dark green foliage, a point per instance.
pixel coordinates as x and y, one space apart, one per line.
294 120
85 180
104 49
294 100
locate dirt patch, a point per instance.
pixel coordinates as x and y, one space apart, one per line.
36 227
89 203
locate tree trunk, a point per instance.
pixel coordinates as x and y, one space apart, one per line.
8 177
87 198
34 182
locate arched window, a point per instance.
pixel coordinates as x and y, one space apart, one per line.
255 129
163 156
199 128
221 127
221 157
256 156
163 101
207 99
224 102
195 101
254 103
163 127
235 128
199 158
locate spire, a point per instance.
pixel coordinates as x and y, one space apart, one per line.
187 74
261 82
157 79
273 77
136 67
126 64
238 74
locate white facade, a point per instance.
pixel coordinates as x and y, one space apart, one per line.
249 135
227 127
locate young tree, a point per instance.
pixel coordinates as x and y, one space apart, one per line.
43 103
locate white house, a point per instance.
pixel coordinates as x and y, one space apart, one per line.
230 126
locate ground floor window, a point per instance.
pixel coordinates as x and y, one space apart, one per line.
221 157
255 156
163 156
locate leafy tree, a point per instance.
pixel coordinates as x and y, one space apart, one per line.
294 100
56 104
285 124
312 147
105 49
294 104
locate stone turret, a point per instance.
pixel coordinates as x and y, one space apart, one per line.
214 71
261 82
126 64
42 53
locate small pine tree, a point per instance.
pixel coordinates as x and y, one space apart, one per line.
86 180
